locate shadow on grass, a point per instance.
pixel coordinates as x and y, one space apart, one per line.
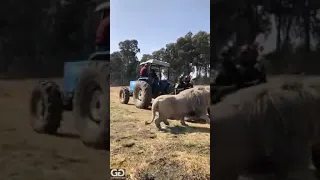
178 129
76 136
67 135
197 121
132 104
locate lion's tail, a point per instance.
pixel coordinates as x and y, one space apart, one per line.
154 109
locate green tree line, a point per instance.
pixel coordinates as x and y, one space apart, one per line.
37 37
189 52
295 24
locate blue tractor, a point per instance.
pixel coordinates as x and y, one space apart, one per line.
146 88
86 92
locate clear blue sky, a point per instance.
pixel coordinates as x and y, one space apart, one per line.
155 23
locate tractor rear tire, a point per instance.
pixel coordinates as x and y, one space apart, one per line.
124 95
46 108
92 105
142 95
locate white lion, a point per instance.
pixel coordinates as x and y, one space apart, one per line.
194 101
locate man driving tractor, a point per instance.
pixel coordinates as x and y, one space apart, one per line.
153 74
102 38
103 31
144 70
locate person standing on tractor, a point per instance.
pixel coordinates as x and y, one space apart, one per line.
154 77
144 70
180 83
187 82
103 31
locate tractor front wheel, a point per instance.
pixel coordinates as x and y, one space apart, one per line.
142 95
124 95
46 108
92 106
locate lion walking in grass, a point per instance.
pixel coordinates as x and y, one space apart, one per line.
193 101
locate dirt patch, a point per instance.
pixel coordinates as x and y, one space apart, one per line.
146 153
25 154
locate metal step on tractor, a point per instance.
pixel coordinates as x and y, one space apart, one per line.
86 92
146 88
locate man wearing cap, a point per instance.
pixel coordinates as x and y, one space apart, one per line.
103 31
144 71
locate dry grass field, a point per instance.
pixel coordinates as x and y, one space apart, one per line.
146 153
181 153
